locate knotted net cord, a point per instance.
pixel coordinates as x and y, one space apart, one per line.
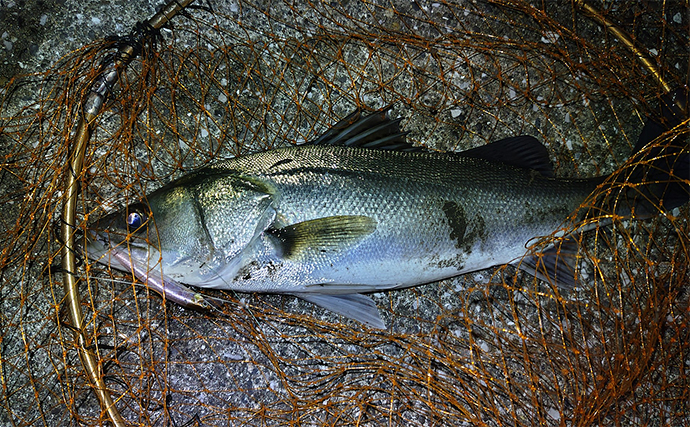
491 348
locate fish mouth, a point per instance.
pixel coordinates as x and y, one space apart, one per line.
97 245
124 255
121 255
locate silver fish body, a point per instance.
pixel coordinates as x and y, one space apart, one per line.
398 219
330 222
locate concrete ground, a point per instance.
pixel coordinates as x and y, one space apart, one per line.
183 368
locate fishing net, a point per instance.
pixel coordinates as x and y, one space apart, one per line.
494 348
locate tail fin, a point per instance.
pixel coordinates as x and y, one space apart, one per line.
658 177
656 180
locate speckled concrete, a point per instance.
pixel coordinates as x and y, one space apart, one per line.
33 36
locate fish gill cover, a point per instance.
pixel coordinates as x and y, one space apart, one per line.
225 78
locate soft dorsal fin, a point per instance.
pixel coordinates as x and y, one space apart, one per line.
375 131
519 151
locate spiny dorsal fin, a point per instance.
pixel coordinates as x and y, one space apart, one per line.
519 151
374 131
329 234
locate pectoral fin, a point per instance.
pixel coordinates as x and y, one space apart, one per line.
354 306
322 235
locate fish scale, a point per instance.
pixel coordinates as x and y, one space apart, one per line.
406 198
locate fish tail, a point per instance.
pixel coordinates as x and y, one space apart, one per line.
657 178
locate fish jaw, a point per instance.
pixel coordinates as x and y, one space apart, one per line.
100 249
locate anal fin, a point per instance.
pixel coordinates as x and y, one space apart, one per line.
556 265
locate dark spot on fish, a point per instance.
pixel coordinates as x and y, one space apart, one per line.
455 262
457 222
465 231
534 175
280 163
273 269
245 272
478 227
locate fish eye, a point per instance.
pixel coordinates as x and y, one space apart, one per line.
135 219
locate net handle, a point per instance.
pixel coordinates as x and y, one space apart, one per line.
642 55
91 107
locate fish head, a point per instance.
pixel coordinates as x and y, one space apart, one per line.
198 230
145 235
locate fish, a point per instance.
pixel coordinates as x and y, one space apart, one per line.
356 211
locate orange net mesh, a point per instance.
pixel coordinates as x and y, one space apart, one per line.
494 347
